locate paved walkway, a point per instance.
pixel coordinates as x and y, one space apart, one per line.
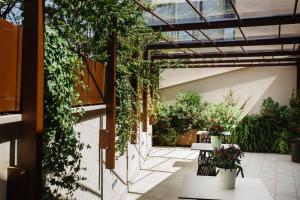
164 169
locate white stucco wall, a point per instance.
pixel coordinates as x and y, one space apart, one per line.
115 181
255 83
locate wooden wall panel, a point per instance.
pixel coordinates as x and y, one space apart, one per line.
10 66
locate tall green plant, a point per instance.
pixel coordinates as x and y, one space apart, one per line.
61 143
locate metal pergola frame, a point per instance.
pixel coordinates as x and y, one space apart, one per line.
237 22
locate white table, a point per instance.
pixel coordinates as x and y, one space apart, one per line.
205 187
207 146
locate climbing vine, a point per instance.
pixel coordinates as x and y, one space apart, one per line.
62 146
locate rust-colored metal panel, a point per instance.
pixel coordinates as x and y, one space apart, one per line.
103 139
10 66
94 79
16 184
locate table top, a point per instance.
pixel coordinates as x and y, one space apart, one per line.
207 146
226 133
205 187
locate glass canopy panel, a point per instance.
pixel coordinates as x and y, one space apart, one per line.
231 49
246 58
223 34
177 36
288 47
261 31
262 48
176 11
151 20
290 29
262 8
216 9
206 50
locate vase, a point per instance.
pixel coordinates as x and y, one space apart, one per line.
226 178
216 141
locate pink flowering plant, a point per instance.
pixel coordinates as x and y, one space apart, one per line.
227 158
215 129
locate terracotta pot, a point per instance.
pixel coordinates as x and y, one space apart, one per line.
187 138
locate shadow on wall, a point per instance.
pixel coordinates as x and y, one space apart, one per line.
256 83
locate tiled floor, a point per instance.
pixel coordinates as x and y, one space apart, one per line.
164 169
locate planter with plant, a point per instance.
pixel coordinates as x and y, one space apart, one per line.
215 131
295 124
227 161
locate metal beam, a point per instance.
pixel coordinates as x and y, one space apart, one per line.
224 43
110 98
145 99
220 55
298 77
230 23
237 65
193 62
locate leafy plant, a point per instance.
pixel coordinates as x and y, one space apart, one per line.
215 129
227 158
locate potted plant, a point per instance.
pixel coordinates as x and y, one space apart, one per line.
215 131
226 161
295 147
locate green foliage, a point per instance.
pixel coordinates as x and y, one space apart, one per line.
270 131
227 158
227 113
252 134
61 148
181 117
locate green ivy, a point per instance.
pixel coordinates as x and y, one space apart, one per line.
61 147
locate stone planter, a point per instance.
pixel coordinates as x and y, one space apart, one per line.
187 138
226 178
295 152
216 141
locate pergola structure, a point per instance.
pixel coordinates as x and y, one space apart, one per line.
265 37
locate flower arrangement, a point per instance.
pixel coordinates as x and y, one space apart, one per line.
227 158
215 129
